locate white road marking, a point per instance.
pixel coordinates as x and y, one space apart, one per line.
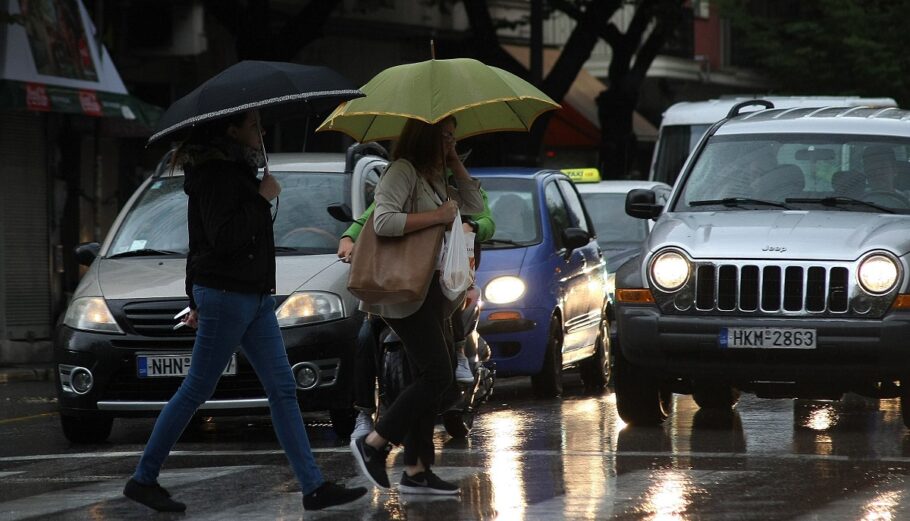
6 474
81 497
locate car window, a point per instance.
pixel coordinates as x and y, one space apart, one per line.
157 221
303 223
577 217
777 168
616 230
559 214
676 142
515 211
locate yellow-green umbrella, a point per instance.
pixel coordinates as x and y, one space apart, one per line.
483 99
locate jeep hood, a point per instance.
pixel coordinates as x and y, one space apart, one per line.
759 234
137 278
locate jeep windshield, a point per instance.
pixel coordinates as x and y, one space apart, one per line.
156 224
819 172
515 212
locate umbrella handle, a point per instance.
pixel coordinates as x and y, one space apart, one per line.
265 156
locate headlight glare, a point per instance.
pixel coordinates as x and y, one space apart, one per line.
669 270
91 314
504 290
308 307
878 274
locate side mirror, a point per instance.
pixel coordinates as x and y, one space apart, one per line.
642 203
87 252
341 212
574 238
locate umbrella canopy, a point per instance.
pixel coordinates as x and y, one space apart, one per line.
482 97
252 85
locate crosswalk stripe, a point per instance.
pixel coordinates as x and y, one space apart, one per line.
5 474
83 496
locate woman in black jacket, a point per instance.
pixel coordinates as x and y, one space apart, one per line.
230 279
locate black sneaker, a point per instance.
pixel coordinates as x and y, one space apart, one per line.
330 494
371 461
152 496
426 483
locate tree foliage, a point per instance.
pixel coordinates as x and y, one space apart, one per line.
845 47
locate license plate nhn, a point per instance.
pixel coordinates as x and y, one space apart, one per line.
766 338
160 366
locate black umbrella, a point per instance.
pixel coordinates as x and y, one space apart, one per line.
252 85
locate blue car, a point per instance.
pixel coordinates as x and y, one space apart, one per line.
543 278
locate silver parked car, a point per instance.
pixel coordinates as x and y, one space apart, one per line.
779 266
117 351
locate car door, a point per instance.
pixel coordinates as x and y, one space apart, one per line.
588 272
568 277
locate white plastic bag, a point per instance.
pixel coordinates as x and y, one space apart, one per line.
456 275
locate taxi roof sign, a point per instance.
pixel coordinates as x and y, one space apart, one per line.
582 175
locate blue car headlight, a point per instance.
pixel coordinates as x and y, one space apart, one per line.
308 307
504 290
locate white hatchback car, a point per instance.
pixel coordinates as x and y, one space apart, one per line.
117 352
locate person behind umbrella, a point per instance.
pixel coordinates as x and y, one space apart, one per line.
230 279
366 360
421 155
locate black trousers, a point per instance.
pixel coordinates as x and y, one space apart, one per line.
366 363
427 339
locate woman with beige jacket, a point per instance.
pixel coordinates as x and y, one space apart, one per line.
420 158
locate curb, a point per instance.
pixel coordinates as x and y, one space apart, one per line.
21 374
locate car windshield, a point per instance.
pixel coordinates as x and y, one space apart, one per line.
157 221
616 230
515 212
800 172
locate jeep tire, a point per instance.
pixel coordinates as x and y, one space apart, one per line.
715 396
641 400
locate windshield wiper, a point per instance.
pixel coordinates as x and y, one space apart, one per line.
738 201
145 252
838 201
282 249
502 241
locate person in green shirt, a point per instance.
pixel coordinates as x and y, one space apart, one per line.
365 372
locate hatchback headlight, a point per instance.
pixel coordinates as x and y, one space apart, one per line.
669 270
504 290
878 274
91 314
308 307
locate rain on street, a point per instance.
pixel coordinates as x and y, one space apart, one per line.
568 458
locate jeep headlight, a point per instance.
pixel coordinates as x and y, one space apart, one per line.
877 274
308 307
91 314
504 290
669 270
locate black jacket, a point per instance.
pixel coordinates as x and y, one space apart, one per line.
230 227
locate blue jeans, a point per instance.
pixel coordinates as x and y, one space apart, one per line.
226 320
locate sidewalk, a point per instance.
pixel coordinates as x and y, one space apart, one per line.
26 373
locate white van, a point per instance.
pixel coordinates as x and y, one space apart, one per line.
684 123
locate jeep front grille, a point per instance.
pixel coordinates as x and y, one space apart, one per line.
769 288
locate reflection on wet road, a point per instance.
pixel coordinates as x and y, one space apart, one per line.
525 459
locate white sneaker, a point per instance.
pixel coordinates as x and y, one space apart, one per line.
363 425
463 372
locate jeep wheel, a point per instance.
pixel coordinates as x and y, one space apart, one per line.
640 400
87 429
715 396
595 371
343 421
548 382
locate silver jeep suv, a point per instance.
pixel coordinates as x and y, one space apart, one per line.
778 266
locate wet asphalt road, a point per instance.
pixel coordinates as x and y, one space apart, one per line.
570 458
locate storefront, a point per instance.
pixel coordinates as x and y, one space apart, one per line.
64 113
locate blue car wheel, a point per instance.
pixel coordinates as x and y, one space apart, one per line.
548 382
